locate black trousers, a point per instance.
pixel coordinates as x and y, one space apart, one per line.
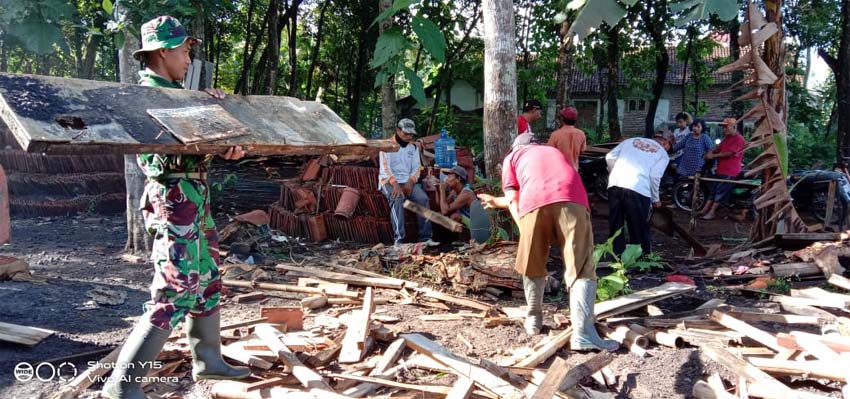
634 209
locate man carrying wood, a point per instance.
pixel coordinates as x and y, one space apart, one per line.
549 203
176 209
398 178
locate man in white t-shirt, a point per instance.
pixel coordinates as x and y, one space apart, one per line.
636 166
397 179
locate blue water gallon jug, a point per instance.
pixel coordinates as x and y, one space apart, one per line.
444 151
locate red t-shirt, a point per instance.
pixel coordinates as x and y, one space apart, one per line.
541 176
731 166
522 125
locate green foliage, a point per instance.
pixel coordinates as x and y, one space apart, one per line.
617 283
701 9
397 6
389 45
229 180
779 285
431 37
37 24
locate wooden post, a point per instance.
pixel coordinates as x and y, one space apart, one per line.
354 343
830 204
433 216
557 371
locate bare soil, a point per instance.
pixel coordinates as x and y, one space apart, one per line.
77 254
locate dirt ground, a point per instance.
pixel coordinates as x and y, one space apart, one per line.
77 254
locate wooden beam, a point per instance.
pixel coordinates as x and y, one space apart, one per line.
773 388
799 269
546 351
839 281
463 389
455 300
308 377
639 299
782 299
288 288
353 345
811 369
235 352
762 337
823 296
435 217
436 389
549 386
776 318
344 278
23 335
584 370
461 367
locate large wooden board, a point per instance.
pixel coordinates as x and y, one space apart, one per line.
640 299
24 335
105 117
202 124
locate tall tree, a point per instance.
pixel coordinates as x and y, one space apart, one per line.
128 67
388 95
613 80
500 105
317 45
565 63
840 66
656 16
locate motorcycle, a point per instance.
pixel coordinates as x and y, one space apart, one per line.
594 175
809 191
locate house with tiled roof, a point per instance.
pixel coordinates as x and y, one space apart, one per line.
587 88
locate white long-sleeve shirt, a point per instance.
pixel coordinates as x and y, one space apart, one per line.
637 164
400 166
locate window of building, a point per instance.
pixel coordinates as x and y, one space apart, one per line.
637 105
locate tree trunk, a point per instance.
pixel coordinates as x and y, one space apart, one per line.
90 57
199 31
662 60
272 50
565 63
738 107
137 240
808 68
293 48
840 66
247 56
389 116
356 84
4 54
691 32
314 56
613 81
500 105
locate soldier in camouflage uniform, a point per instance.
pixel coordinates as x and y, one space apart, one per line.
176 209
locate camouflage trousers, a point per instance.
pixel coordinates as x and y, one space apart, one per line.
185 251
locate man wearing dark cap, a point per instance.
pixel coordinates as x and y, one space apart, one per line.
397 179
729 155
176 210
547 200
455 194
569 139
532 110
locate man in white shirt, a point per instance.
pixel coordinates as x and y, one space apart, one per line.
397 179
636 166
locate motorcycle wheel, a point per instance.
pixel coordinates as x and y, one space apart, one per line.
683 196
600 183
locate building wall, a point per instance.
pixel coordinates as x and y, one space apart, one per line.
632 121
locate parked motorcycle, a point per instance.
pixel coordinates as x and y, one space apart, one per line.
809 190
594 175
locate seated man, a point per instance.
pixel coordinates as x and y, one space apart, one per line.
455 194
398 177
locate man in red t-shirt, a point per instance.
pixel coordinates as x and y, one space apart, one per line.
547 200
532 110
730 155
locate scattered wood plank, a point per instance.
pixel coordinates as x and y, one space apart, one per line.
450 316
381 370
235 352
308 377
773 388
550 385
822 295
292 316
800 269
436 389
344 278
760 391
268 383
586 369
839 281
810 368
704 390
435 217
546 351
249 297
314 302
455 300
353 345
23 335
83 381
640 299
806 310
462 389
491 322
797 301
461 367
762 337
776 318
321 284
288 288
836 343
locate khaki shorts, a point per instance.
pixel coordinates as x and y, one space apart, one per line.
565 224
